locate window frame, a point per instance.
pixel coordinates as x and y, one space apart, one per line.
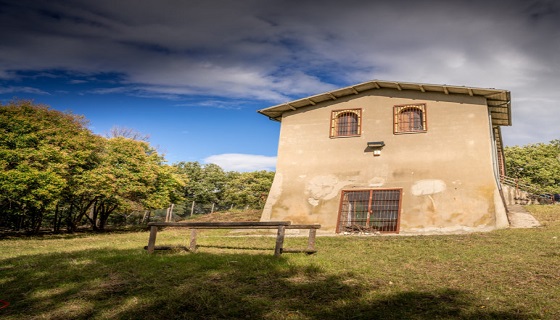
334 125
397 122
375 208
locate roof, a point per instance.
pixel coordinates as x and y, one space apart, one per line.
498 101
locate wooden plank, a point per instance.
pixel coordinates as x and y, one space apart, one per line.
279 240
303 226
152 239
221 224
228 227
311 240
192 242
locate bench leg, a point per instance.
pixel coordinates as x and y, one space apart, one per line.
279 241
192 244
152 240
311 241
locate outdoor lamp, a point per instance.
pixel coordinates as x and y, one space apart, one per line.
376 146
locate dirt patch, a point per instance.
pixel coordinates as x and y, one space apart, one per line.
519 217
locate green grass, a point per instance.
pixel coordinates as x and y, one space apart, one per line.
506 274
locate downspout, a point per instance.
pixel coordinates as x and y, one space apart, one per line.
494 154
502 222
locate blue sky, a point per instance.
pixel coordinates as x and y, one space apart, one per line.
191 74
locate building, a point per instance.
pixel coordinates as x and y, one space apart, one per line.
391 157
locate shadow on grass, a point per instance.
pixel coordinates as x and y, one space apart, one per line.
130 284
80 233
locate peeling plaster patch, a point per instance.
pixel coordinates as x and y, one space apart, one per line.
303 176
427 187
377 182
323 187
313 202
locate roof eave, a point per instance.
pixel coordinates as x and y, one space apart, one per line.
498 100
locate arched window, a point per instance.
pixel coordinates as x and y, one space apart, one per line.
410 118
346 123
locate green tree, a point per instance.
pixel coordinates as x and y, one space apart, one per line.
131 176
248 189
537 164
205 182
40 150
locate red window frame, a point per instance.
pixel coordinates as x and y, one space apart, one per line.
346 123
370 210
410 118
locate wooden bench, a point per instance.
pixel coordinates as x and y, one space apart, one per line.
281 226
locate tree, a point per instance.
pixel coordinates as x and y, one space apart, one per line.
40 151
248 189
131 176
205 182
537 164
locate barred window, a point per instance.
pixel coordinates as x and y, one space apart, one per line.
410 118
346 123
370 211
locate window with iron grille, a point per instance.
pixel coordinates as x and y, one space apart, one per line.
346 123
410 118
370 211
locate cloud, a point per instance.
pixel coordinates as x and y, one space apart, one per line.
276 51
12 89
242 162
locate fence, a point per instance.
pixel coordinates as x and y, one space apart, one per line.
519 192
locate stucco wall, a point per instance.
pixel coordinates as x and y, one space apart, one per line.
446 173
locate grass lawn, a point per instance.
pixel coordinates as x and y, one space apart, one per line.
506 274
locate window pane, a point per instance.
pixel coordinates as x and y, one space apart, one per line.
347 124
369 211
410 118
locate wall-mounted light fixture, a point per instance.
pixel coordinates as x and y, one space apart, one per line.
376 146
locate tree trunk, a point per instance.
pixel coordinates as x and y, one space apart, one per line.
55 220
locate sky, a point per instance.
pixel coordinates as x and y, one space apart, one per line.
192 73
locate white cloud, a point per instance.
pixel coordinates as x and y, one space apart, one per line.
31 90
276 51
242 162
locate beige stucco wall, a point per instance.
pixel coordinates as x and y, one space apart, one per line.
446 174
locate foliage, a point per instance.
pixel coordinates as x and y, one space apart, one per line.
41 151
206 182
210 184
248 189
55 172
537 164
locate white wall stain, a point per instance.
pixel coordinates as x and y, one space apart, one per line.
312 201
323 187
427 187
377 182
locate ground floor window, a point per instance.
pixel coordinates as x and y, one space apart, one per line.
373 210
